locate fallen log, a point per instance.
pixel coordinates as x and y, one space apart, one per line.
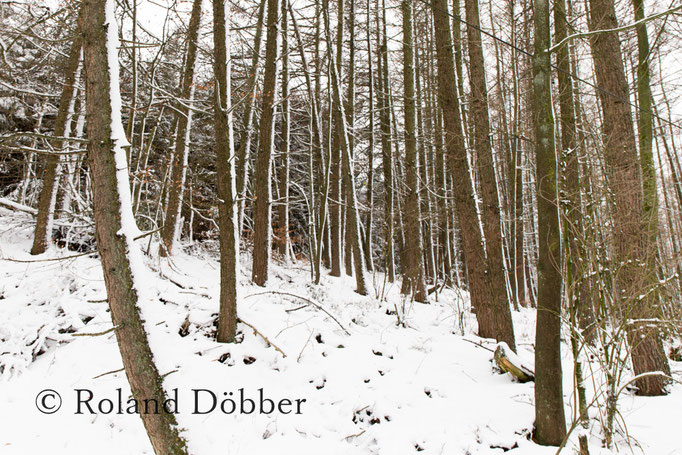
510 363
15 206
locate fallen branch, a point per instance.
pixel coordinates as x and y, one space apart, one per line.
97 333
108 372
478 344
16 206
256 332
310 302
73 256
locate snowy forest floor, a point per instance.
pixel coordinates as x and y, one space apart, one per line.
383 389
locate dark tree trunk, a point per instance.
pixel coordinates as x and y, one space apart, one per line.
227 184
550 421
386 148
489 303
500 314
42 235
283 207
413 268
262 207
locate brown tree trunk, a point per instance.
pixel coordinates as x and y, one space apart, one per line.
227 184
489 303
550 421
172 226
350 122
114 222
500 313
42 235
634 269
574 270
413 268
354 220
386 148
262 207
244 150
369 255
283 207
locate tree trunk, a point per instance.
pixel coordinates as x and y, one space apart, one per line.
350 122
386 150
283 243
487 298
500 313
172 227
574 270
114 221
245 139
354 220
227 184
262 206
413 269
550 421
42 235
369 255
634 250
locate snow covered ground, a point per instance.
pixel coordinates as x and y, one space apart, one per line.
383 389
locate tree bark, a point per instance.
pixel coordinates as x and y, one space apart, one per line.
634 267
283 243
354 220
42 235
172 226
262 207
227 185
114 222
500 313
369 255
413 269
571 211
489 303
244 150
550 421
386 149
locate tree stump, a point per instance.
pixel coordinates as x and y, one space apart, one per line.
509 362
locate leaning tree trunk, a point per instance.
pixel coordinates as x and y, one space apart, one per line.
413 269
42 235
227 184
262 207
172 226
634 249
114 221
550 421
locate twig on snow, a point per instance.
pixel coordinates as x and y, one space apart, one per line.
310 302
255 331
